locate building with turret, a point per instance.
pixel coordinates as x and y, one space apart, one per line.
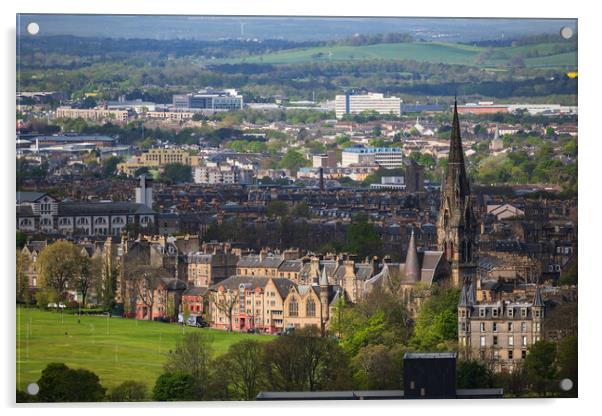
498 333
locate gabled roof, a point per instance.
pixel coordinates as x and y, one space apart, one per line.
29 196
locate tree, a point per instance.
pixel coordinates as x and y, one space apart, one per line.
59 383
540 366
244 369
301 210
568 363
363 239
88 276
306 361
129 391
21 239
225 301
108 285
171 387
293 160
109 166
58 264
437 321
192 356
22 267
472 375
378 368
177 173
278 209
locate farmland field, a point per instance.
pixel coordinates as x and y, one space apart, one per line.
115 349
433 52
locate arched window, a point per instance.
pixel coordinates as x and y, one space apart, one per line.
100 220
82 221
446 219
293 307
311 307
45 221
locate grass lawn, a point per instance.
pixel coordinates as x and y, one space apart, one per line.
115 349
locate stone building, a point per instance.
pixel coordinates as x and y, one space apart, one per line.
456 225
498 333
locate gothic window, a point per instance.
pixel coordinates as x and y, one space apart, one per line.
446 219
311 307
293 308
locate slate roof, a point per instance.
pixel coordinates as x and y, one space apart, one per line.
29 196
25 211
233 282
103 208
253 260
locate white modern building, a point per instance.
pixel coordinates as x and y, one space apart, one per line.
208 99
386 157
353 104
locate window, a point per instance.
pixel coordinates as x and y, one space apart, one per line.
311 307
524 341
482 326
483 341
523 354
510 312
495 340
293 308
511 341
100 220
510 354
495 327
537 313
510 327
537 327
494 313
523 312
482 312
523 327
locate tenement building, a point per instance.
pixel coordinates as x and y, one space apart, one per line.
498 333
456 225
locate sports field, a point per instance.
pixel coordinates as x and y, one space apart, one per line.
433 52
115 349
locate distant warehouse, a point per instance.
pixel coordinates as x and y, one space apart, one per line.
354 104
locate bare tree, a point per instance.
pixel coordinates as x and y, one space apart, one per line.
144 288
88 276
225 301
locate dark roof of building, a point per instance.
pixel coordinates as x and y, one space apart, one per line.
196 291
25 211
174 284
103 208
29 196
251 282
428 355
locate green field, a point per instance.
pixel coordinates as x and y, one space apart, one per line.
115 349
433 52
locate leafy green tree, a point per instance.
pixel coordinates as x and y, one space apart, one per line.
58 264
172 387
22 266
540 366
472 375
177 173
363 239
377 367
293 160
301 210
244 368
59 383
437 322
21 239
192 355
109 166
129 391
568 363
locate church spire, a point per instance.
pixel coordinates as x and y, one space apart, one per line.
412 269
456 169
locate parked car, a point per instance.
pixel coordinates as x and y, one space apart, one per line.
288 330
197 321
253 331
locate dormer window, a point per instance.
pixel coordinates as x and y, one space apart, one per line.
494 312
510 312
482 312
523 312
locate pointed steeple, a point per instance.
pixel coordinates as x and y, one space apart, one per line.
456 169
537 301
324 277
463 298
471 295
412 268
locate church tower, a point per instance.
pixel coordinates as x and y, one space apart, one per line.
456 225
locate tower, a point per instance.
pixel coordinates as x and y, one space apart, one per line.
144 191
324 288
538 315
412 268
456 225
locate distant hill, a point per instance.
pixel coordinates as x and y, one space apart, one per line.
540 55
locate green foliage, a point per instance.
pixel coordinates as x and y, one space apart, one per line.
192 356
473 375
569 277
177 173
21 239
301 210
568 367
129 391
109 166
293 160
540 366
363 239
171 387
437 322
378 367
60 383
243 366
